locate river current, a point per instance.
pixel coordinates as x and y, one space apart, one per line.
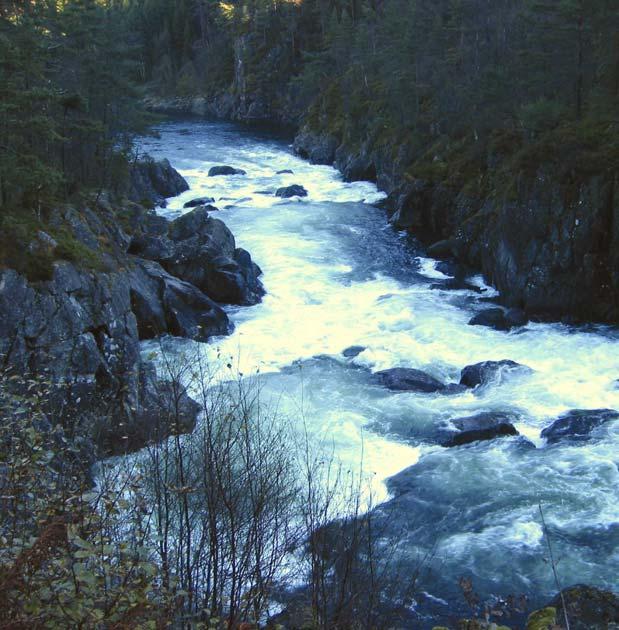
337 275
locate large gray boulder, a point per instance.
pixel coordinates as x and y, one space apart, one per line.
151 182
201 250
491 372
482 426
408 380
165 304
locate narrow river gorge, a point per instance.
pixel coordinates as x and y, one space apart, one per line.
338 275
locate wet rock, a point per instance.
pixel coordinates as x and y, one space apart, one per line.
577 425
285 171
490 372
516 317
587 608
152 182
353 351
482 426
441 249
225 170
319 148
500 319
164 408
291 191
491 318
201 250
163 303
455 284
408 380
453 389
199 201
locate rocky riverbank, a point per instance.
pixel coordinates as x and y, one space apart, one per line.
547 239
136 276
543 231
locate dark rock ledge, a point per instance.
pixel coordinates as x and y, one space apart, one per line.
80 330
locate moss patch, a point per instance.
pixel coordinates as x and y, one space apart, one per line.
20 248
542 619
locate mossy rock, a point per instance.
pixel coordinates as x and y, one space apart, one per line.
542 619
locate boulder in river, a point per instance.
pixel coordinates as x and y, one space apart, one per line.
225 170
353 351
201 250
291 191
490 371
578 424
408 380
500 319
285 171
482 426
199 201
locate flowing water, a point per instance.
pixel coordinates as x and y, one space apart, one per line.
338 275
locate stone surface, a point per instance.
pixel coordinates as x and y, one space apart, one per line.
151 182
577 425
408 380
491 372
482 426
225 170
291 191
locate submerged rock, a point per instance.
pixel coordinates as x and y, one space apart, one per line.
225 170
500 319
483 426
199 201
353 351
577 425
490 371
285 171
408 380
291 191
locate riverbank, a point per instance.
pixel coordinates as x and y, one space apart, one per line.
542 230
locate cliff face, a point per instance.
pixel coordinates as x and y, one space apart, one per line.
549 244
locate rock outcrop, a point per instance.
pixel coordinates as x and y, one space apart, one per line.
201 250
547 242
152 182
133 275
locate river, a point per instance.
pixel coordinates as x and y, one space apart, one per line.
338 275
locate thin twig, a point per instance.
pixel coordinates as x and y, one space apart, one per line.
554 566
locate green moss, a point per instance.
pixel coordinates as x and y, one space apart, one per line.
542 619
19 229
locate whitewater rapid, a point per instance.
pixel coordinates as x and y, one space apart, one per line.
337 275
